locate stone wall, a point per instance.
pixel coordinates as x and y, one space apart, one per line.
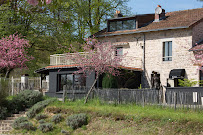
181 57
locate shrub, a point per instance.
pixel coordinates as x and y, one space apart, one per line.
57 118
109 81
41 121
25 99
77 120
38 107
27 126
41 116
18 121
46 127
54 110
4 91
3 112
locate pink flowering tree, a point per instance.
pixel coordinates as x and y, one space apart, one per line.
13 53
31 2
97 57
36 2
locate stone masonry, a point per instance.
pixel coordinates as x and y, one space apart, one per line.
182 41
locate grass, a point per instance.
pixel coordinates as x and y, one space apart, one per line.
123 119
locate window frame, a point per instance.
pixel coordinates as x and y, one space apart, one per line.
123 22
116 51
74 82
169 55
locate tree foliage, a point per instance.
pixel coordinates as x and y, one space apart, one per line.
97 57
51 27
13 53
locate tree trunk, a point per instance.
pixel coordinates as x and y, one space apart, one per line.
90 90
7 73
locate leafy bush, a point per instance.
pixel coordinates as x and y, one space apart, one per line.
77 120
109 81
41 116
3 112
57 118
23 100
46 127
4 91
27 126
188 83
54 110
41 121
18 121
38 107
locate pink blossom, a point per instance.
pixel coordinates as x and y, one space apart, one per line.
36 2
13 52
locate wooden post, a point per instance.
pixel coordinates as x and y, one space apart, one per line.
40 88
64 94
12 86
175 100
119 100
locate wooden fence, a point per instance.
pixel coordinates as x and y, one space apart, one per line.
185 97
175 97
15 85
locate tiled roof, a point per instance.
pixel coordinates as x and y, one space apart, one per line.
61 66
45 69
174 20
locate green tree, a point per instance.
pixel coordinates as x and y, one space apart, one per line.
52 28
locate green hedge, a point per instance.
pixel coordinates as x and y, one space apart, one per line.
77 120
24 100
109 81
19 102
38 107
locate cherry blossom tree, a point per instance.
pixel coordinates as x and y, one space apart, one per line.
97 57
36 2
13 53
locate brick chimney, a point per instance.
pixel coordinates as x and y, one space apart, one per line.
118 14
159 14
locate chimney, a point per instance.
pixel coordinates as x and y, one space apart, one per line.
118 14
159 14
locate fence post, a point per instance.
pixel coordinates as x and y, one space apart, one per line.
64 94
12 86
24 82
119 100
175 100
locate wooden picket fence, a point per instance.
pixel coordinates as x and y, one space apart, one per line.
14 85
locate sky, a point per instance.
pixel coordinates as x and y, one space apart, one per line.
148 6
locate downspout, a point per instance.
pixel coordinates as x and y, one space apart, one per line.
143 53
143 62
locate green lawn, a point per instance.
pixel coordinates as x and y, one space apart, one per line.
123 119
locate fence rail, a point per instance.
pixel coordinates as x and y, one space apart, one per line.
175 97
62 59
14 85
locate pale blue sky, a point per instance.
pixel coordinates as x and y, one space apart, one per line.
148 6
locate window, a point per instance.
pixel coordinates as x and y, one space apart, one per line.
167 51
122 25
119 51
68 81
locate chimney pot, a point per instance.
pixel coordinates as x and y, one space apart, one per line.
161 16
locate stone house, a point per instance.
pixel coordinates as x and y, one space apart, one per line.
160 41
157 47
